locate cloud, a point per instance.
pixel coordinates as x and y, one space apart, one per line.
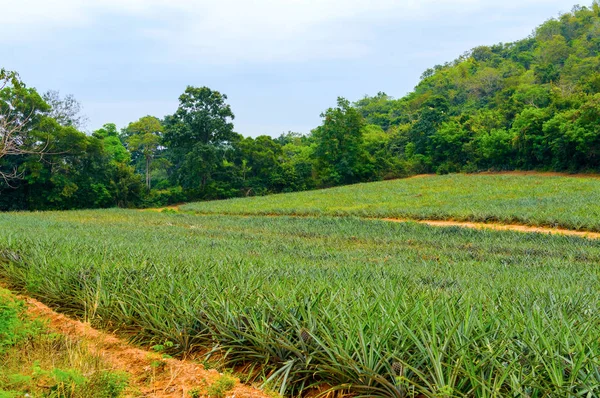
233 31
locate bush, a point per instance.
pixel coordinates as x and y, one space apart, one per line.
165 197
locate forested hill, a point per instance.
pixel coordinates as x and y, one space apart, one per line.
532 104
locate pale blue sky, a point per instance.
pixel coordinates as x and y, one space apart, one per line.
280 62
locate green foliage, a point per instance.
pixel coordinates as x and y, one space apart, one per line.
112 144
144 136
195 393
107 384
219 388
197 135
519 87
164 197
75 170
8 77
340 158
203 117
14 328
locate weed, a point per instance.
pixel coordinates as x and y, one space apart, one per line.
39 363
219 388
195 393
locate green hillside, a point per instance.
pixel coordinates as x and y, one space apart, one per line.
569 202
534 103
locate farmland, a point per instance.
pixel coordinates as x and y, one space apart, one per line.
541 200
441 244
361 306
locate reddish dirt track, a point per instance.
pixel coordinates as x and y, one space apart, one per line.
174 378
500 227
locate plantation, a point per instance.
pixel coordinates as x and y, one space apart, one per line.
535 199
362 306
311 264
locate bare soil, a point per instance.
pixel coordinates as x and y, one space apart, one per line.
501 227
151 375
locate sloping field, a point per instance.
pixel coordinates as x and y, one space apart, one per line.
364 306
532 199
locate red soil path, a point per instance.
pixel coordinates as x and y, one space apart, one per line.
500 227
174 378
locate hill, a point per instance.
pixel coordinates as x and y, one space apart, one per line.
531 104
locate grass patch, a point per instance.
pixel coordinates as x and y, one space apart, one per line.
221 386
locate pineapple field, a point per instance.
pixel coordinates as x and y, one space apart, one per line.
347 305
540 199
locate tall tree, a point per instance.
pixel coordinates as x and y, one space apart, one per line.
339 151
66 111
197 134
145 136
112 143
20 109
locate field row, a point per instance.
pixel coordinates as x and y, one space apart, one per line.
370 307
541 200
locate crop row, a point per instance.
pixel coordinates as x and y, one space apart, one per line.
542 200
365 307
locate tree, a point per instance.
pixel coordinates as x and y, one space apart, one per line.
259 161
198 134
203 117
530 140
77 172
66 111
112 144
20 108
433 112
339 144
145 136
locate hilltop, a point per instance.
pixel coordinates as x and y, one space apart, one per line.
531 104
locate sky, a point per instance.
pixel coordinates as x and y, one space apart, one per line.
280 62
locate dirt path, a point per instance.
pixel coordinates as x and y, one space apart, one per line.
537 173
499 227
518 173
464 224
159 209
149 373
436 223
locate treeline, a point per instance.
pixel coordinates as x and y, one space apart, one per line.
532 104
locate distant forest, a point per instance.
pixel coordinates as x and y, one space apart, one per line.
531 104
